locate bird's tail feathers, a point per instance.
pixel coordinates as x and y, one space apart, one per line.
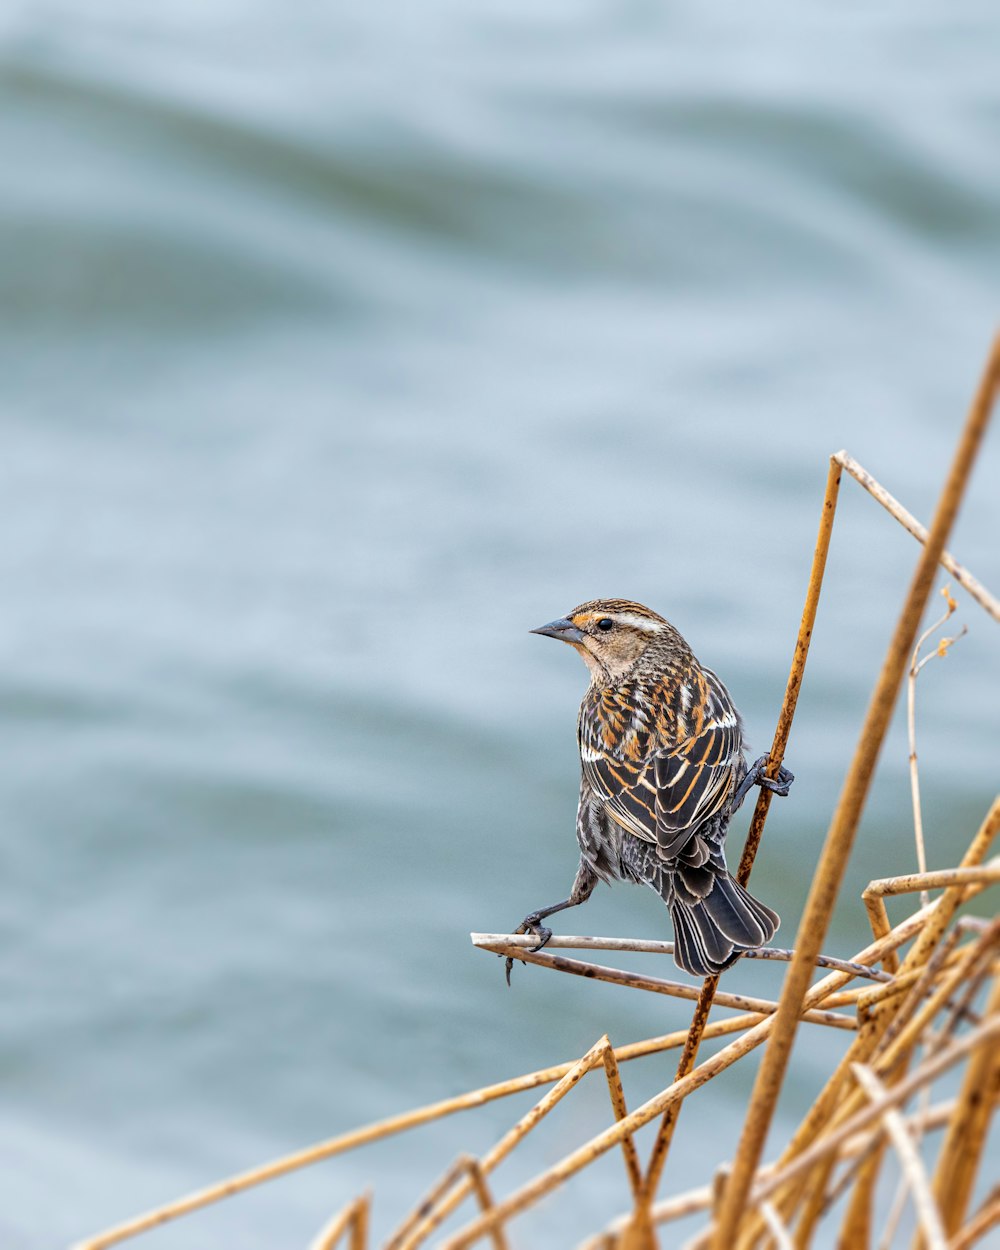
713 929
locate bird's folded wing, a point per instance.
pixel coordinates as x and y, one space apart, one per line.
627 790
669 795
693 783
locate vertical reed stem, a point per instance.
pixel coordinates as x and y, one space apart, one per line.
661 1147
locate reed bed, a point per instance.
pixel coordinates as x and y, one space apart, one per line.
920 998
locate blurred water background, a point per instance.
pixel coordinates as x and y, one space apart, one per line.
341 345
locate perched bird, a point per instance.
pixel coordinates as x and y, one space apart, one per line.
662 755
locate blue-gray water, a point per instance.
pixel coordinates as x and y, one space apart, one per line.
340 346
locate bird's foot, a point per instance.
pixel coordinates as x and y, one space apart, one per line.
756 776
779 785
530 924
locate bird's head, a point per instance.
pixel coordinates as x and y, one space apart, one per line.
612 635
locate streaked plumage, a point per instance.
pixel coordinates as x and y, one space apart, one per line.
663 769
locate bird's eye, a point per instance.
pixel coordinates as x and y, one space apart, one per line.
605 623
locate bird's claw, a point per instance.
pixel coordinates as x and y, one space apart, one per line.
779 785
530 924
756 776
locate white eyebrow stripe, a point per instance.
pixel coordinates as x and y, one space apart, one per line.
638 622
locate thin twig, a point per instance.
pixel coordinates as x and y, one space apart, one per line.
916 665
985 1219
909 1160
961 575
782 1237
354 1217
658 985
645 946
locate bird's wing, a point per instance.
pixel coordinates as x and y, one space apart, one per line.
627 790
668 793
694 780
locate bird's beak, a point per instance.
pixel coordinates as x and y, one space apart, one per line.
563 629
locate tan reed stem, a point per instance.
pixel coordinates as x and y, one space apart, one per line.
985 1219
657 985
928 925
843 827
962 1150
524 1197
429 1215
661 1147
719 1062
385 1128
961 575
695 1200
909 1159
466 1168
354 1217
516 942
928 1071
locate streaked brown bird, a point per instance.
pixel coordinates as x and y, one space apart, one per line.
663 770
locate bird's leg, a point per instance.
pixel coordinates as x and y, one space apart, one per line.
583 887
757 777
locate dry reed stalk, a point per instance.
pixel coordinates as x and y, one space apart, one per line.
927 926
916 666
673 989
960 1008
909 1160
905 932
840 1106
829 1108
843 827
928 1071
465 1168
959 1158
876 892
961 575
514 943
776 1227
354 1217
918 1130
700 1199
960 890
893 1050
662 1212
543 1184
429 1215
858 1218
985 1219
853 1151
633 1168
856 1152
664 1139
386 1128
810 1194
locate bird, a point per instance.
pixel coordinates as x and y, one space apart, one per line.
663 769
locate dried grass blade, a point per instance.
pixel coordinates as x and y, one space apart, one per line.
909 1160
895 509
